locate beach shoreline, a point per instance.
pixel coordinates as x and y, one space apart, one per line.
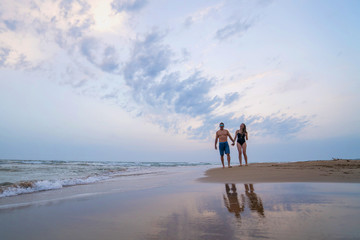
331 171
173 204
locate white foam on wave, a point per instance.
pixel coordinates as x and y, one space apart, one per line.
65 176
45 185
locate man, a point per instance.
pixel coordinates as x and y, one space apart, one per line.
222 135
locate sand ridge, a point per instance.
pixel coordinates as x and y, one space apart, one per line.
337 170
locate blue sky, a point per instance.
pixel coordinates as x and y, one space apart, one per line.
139 80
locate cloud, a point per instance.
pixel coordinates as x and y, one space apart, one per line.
128 5
231 97
109 62
112 95
189 21
149 74
77 31
294 83
101 55
184 96
10 58
73 20
88 47
201 14
174 101
68 7
79 84
230 30
148 59
11 24
160 91
4 53
278 126
33 30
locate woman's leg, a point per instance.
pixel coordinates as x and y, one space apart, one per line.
244 152
240 154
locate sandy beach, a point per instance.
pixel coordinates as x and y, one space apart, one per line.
338 170
174 204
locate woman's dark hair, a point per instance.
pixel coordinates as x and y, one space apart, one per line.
244 129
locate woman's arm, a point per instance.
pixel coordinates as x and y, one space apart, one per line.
247 138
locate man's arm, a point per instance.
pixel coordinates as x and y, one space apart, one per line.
230 136
235 138
235 135
216 139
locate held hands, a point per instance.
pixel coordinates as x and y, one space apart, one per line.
233 144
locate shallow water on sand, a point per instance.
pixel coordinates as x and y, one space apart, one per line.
269 211
176 206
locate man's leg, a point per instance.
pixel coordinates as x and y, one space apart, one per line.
228 159
227 151
222 149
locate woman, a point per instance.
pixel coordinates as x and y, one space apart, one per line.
241 135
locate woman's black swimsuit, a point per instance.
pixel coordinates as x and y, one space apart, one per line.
241 138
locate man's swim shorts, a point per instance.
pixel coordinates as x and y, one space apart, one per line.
224 147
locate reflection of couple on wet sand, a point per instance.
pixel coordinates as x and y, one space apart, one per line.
240 134
235 206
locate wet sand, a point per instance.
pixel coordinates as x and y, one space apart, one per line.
339 170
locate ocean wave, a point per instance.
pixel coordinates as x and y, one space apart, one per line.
8 189
9 170
99 163
28 176
6 184
44 185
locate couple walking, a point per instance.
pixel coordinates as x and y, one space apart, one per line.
240 134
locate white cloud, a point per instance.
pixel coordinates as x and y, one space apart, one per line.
202 14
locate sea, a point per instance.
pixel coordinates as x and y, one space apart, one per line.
29 176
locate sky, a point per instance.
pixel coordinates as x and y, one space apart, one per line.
150 80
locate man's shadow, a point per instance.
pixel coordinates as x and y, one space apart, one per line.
237 206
